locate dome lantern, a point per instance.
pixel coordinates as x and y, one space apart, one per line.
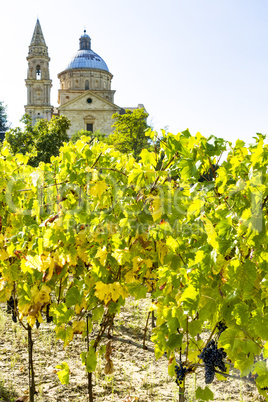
85 42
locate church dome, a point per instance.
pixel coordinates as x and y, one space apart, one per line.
86 58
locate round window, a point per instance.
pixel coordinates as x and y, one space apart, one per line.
89 100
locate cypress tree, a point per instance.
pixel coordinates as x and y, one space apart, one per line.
3 121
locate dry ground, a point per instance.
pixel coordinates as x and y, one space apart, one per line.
137 375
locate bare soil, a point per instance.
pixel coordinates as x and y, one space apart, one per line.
137 375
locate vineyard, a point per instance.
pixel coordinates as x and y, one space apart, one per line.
181 231
137 376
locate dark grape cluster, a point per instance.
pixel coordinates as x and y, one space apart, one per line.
49 318
181 372
212 358
11 308
221 327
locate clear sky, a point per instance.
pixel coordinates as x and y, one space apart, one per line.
197 64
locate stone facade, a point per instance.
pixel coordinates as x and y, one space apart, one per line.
89 111
85 96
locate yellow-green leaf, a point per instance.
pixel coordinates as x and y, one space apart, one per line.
156 208
63 373
211 233
98 188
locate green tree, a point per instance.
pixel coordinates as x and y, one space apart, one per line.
41 141
129 134
3 120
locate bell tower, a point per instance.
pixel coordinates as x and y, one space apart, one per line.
38 82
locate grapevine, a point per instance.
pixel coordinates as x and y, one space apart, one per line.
94 227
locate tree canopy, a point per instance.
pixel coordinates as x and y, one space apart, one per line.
3 120
42 140
129 134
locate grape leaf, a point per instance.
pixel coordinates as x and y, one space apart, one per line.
204 394
63 373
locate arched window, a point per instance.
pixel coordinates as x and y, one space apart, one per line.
87 84
38 72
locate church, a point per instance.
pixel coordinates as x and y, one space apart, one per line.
85 96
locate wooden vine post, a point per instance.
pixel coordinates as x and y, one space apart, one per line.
30 365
